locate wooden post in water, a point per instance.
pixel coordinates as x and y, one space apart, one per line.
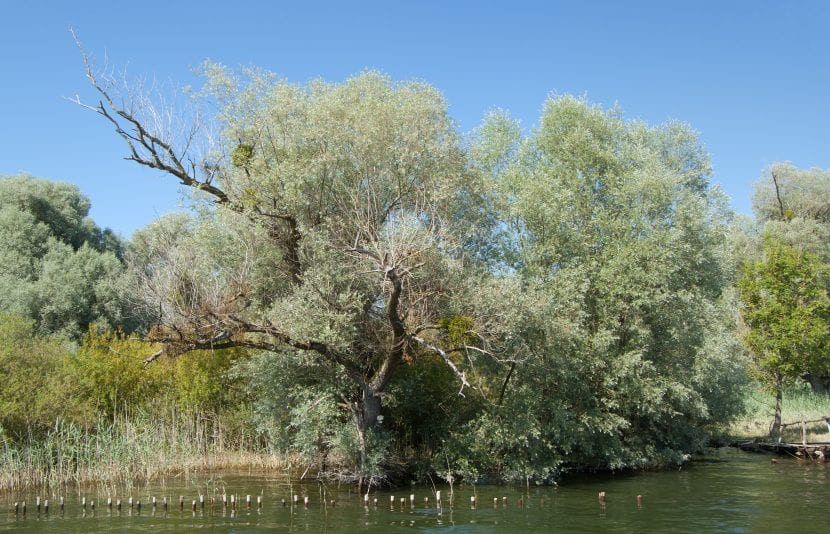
639 501
804 432
16 508
472 501
412 500
92 504
181 502
154 503
138 506
248 501
193 506
37 503
201 501
224 500
305 501
601 498
46 506
259 501
164 502
118 504
61 504
130 502
109 503
83 503
24 507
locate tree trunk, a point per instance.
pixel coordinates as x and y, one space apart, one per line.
775 432
367 418
818 383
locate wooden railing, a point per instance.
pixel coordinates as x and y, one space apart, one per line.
803 424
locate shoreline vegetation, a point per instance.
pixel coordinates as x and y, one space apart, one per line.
362 289
124 453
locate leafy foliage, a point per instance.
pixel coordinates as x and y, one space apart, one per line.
787 311
59 268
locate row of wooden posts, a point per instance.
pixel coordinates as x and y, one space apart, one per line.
136 504
234 502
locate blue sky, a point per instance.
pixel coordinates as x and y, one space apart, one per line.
751 77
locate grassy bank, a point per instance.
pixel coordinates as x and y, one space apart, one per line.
124 452
800 403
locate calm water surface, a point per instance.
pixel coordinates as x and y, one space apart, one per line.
727 491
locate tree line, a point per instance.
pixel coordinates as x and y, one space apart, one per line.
391 298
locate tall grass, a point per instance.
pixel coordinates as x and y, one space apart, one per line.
799 403
126 450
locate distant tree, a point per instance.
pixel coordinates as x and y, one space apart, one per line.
786 309
793 205
59 268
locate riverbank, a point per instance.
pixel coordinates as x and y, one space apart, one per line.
799 404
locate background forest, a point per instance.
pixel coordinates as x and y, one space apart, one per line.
360 288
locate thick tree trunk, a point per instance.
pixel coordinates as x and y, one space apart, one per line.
775 432
367 414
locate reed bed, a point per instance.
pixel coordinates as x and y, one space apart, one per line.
126 450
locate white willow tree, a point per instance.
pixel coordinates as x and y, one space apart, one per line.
620 242
327 231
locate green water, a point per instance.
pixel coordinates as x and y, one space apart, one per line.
727 491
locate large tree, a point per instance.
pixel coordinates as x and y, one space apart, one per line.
327 230
620 245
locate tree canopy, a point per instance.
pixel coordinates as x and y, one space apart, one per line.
550 301
59 268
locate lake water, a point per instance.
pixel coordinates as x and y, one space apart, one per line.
726 491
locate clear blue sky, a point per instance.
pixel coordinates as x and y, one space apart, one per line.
751 76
